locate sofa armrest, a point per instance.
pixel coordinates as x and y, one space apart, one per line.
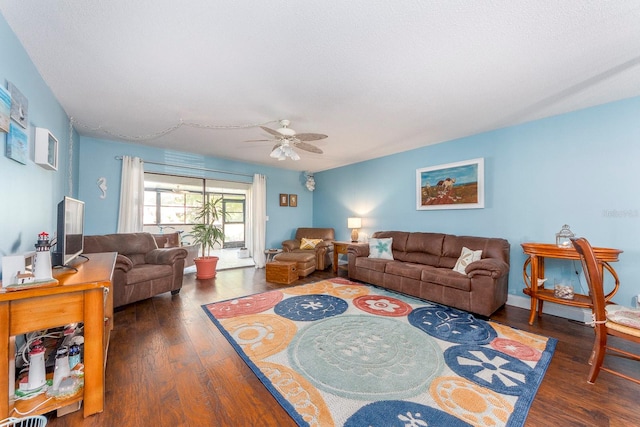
358 250
166 256
123 263
289 245
488 267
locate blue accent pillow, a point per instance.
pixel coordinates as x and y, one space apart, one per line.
381 248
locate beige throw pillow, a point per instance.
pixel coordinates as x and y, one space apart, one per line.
309 243
466 257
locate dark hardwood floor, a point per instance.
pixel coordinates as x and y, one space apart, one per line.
169 366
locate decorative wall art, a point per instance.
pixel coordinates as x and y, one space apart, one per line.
19 106
457 185
46 149
284 200
17 144
293 200
5 110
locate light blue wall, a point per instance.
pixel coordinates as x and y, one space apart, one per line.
581 169
97 159
28 192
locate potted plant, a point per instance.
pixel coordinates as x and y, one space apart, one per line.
207 232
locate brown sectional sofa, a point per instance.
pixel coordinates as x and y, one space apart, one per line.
142 270
423 267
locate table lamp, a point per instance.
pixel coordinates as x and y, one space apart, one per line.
354 224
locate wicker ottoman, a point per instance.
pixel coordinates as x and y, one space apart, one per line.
305 261
281 272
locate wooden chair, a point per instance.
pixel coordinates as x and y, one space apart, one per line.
612 319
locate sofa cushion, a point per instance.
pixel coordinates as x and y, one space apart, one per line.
404 269
381 248
446 277
375 264
466 257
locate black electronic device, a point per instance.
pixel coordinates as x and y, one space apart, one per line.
70 237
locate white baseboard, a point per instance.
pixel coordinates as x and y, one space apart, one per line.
573 313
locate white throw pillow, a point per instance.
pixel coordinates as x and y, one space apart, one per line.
466 257
381 248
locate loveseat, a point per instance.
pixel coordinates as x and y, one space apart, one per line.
322 248
423 266
142 270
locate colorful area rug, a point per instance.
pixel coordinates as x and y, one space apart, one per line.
339 353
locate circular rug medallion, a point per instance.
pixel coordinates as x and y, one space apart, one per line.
398 413
516 349
382 305
345 290
246 305
261 335
489 368
470 402
311 307
306 400
452 325
366 357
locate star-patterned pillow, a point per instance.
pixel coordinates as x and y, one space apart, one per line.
381 248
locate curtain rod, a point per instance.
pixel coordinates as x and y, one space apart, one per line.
191 167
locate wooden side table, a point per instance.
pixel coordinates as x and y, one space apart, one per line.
339 248
79 297
535 264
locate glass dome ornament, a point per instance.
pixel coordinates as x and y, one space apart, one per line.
564 236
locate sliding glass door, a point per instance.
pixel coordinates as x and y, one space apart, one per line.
170 200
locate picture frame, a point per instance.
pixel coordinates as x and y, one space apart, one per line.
458 185
284 199
293 200
5 110
17 147
19 106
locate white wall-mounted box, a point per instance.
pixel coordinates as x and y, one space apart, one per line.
46 149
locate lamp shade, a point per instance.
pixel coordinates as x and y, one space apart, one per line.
354 223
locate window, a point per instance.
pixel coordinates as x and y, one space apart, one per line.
170 202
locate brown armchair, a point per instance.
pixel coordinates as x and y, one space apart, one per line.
323 250
142 270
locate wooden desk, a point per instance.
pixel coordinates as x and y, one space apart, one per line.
81 296
338 249
538 252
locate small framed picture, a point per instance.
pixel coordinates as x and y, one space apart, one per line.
293 200
284 200
17 144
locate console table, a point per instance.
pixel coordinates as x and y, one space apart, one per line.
81 296
535 264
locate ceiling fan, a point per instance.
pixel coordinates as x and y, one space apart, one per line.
287 139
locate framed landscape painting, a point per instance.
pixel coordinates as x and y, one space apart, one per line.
457 185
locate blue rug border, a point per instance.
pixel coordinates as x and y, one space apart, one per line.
520 410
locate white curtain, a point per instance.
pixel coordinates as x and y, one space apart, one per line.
131 195
257 214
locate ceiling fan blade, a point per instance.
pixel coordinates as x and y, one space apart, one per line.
310 136
307 147
259 140
271 131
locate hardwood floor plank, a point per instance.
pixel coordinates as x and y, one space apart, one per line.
168 365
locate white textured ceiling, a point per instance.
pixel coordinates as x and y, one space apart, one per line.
377 76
